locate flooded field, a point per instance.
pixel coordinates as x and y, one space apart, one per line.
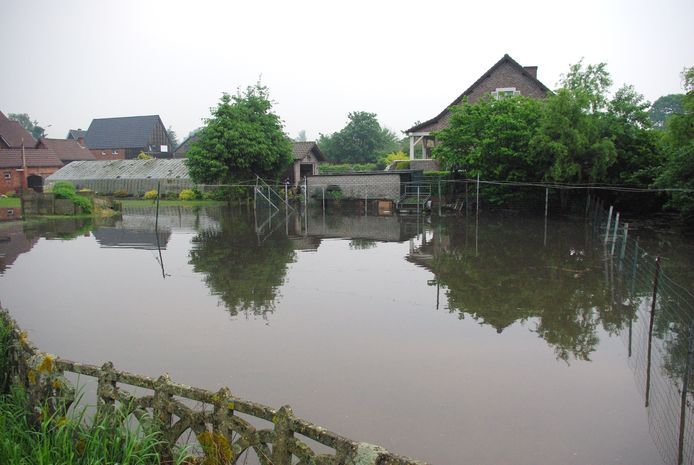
506 341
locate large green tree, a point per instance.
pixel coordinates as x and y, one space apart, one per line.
664 107
491 138
27 123
678 172
243 138
362 140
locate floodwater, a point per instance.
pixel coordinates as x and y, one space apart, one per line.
443 339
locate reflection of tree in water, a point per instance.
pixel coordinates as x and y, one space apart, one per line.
245 274
362 244
514 278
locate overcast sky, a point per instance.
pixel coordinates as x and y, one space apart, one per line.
66 62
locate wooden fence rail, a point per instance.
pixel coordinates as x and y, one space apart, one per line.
43 377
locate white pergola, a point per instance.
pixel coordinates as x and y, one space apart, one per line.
416 138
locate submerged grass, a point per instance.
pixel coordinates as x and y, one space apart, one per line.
40 438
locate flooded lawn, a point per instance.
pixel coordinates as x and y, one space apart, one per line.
450 342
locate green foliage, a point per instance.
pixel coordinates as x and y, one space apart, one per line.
664 107
151 195
32 126
187 194
590 83
242 139
120 193
678 172
329 168
173 137
362 140
66 190
5 345
389 158
491 138
144 156
402 165
74 439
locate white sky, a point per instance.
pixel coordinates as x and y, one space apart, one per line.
66 62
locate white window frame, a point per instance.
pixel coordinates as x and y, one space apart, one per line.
8 175
501 92
114 152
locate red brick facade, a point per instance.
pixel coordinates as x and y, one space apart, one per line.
13 178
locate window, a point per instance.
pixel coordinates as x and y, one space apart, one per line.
8 175
114 152
503 92
103 153
10 212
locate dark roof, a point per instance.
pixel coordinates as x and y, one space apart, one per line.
301 149
457 101
12 158
12 133
184 146
76 134
67 150
122 133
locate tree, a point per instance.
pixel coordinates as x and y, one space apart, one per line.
301 137
491 138
172 136
664 107
32 126
592 83
678 172
570 137
362 140
242 139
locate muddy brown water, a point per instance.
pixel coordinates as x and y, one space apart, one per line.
437 338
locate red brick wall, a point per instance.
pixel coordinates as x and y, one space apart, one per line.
16 180
107 154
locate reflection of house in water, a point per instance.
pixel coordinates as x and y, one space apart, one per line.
376 228
136 230
108 237
13 243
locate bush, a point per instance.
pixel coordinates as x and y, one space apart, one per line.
66 190
402 165
187 194
120 193
151 195
326 168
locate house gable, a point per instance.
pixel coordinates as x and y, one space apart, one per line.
131 134
506 74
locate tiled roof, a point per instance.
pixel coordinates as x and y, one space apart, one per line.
440 121
183 148
12 158
123 169
67 150
76 134
122 133
12 133
301 149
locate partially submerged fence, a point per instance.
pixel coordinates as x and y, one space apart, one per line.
660 335
226 418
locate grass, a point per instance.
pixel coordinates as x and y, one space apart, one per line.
28 438
168 203
10 202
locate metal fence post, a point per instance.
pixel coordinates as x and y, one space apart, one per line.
614 235
650 328
477 203
607 228
624 242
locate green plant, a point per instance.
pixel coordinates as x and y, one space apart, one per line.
120 193
187 194
402 165
66 190
151 195
144 156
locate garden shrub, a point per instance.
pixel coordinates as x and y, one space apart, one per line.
66 190
121 193
402 165
151 195
187 194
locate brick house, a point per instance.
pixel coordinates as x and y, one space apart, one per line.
13 135
26 168
67 150
307 156
124 138
505 78
77 134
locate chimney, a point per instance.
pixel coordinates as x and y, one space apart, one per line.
532 70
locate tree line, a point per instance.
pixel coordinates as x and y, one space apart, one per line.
579 135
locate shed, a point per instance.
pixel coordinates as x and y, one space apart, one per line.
134 177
